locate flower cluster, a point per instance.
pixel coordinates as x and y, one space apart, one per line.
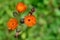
29 19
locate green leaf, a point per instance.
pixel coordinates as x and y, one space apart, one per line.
57 12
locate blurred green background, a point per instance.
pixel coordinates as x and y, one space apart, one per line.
47 13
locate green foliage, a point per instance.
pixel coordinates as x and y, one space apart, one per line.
47 15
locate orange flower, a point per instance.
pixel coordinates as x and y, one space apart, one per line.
20 7
29 20
12 23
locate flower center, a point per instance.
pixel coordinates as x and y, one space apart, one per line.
28 19
12 23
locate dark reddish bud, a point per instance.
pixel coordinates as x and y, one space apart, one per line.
30 12
17 30
16 35
22 20
15 13
33 9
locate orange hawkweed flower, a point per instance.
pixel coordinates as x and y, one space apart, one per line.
29 20
12 23
20 7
